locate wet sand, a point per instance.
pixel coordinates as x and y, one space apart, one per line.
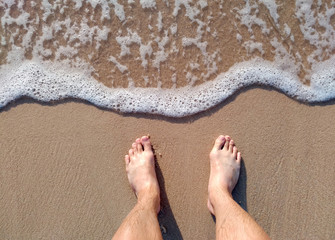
62 171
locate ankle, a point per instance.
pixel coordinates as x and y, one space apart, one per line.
148 203
218 196
149 198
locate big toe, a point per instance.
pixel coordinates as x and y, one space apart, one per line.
146 143
219 143
227 141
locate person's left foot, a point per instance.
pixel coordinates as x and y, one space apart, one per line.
140 168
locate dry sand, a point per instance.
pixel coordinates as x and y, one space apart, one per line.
62 171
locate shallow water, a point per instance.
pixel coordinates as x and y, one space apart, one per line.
174 58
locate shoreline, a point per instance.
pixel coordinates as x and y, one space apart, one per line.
48 84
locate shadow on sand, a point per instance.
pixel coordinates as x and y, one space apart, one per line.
167 222
240 191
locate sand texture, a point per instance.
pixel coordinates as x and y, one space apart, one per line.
62 170
62 173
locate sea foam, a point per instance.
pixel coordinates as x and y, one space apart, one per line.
48 58
44 82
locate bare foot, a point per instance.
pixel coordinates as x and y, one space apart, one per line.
225 162
140 168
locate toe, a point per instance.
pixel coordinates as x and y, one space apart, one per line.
219 143
235 151
131 153
139 146
127 159
133 146
231 145
238 157
146 143
226 144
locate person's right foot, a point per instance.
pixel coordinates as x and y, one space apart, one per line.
225 162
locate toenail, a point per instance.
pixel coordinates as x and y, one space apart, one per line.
222 137
145 138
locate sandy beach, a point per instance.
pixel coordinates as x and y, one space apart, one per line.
62 173
62 170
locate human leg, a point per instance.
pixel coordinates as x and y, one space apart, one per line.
232 222
142 222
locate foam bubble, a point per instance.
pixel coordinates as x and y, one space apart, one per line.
148 3
248 17
272 7
121 67
159 21
203 4
252 46
46 82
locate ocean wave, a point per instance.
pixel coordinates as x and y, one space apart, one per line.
49 83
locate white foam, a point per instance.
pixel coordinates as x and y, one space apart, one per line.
272 7
309 17
118 10
146 80
239 37
3 41
174 80
248 17
8 3
121 67
101 35
159 21
21 20
191 11
287 30
194 66
252 46
161 55
203 4
174 28
148 3
126 41
47 7
191 78
284 61
145 50
47 82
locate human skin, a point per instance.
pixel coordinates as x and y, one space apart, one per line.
232 222
142 222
